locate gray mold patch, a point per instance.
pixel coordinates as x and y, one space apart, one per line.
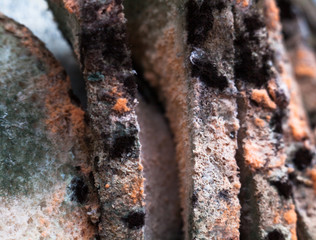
27 157
95 77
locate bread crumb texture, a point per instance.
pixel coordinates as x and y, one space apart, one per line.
135 189
44 215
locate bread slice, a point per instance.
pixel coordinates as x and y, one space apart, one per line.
45 191
222 72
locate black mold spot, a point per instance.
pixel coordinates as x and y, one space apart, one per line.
275 235
276 121
209 76
232 135
105 32
253 57
224 194
130 85
194 199
284 188
281 99
91 178
254 103
249 67
79 190
206 71
293 177
253 23
135 220
112 51
122 145
303 158
199 21
220 6
96 163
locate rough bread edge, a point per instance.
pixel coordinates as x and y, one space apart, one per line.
97 34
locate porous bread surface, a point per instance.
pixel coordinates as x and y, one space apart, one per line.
42 143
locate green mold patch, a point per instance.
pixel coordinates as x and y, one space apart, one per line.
28 159
95 77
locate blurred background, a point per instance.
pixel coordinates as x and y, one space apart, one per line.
35 15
